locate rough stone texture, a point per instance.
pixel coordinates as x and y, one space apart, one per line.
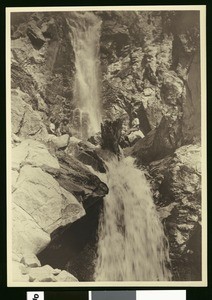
34 153
40 205
111 135
22 238
159 142
87 153
56 271
30 260
48 274
26 123
16 257
14 176
134 136
64 276
177 189
157 76
91 158
59 141
78 180
35 35
39 194
172 88
186 62
73 146
43 62
42 274
17 271
72 210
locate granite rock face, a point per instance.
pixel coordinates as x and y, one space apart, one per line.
34 185
176 182
23 239
47 194
43 64
26 122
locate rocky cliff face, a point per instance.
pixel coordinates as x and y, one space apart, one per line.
153 76
150 87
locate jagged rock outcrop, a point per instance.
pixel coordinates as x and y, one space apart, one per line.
77 179
177 191
87 153
111 135
158 143
154 78
91 158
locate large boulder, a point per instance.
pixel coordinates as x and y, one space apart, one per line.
28 236
42 274
91 158
40 205
40 195
158 143
77 179
30 260
87 153
59 141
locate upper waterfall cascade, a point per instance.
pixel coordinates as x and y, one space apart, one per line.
132 244
85 36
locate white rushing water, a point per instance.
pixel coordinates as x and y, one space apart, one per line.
85 35
132 245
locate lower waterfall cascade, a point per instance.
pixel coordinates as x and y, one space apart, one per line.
132 245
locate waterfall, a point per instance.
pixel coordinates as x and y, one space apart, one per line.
85 35
132 245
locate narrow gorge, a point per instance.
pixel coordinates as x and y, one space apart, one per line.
106 146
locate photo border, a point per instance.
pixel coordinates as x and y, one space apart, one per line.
203 282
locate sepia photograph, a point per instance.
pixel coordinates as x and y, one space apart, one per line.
106 146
